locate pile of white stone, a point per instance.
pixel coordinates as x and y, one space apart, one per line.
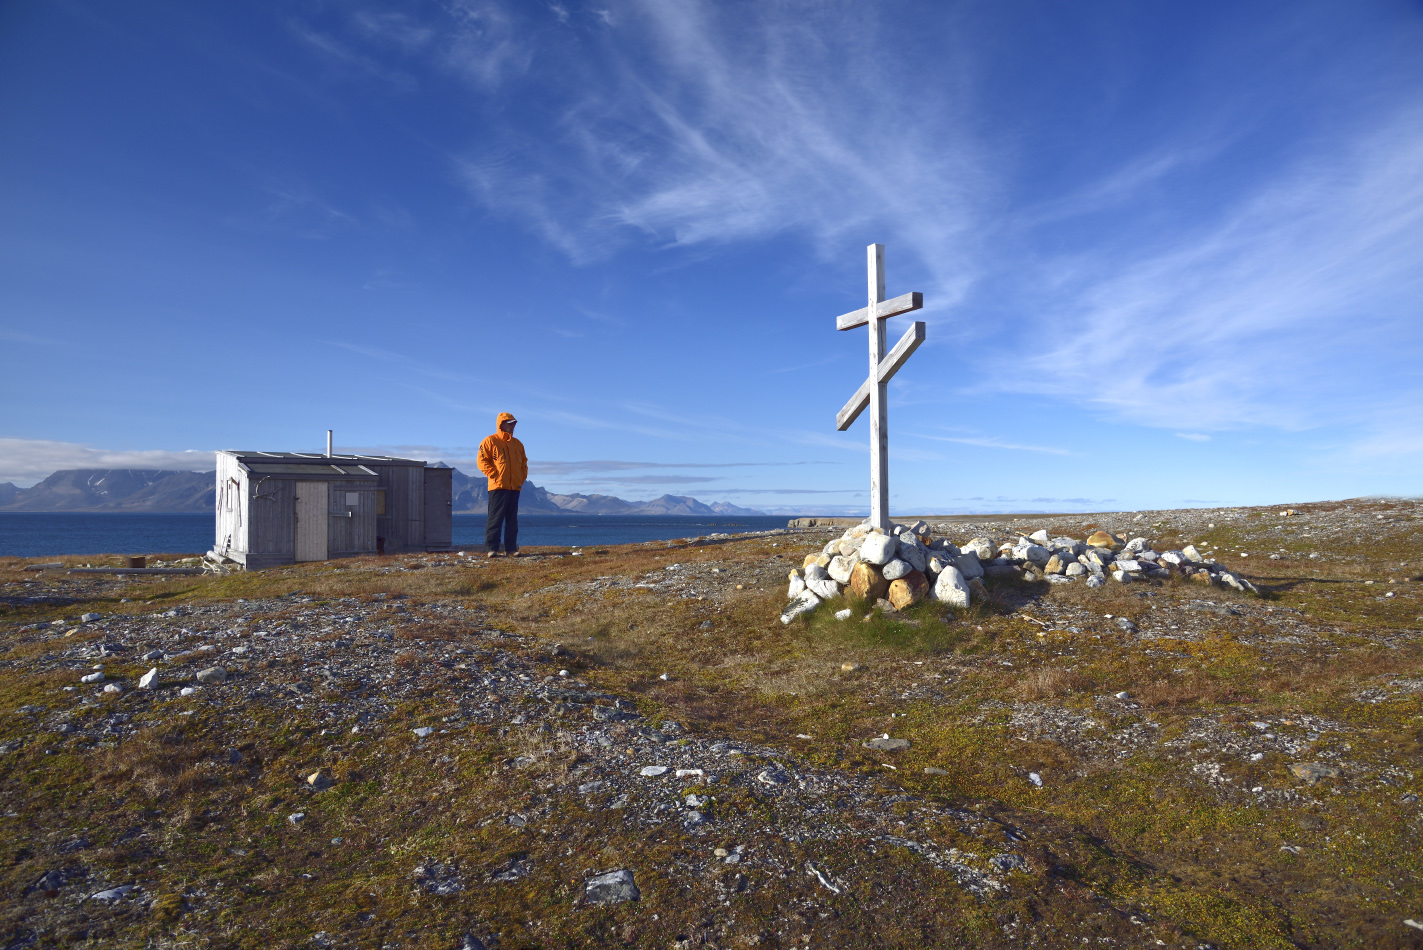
908 564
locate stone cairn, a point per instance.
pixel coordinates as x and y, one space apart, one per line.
898 569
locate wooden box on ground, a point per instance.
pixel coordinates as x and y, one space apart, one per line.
283 507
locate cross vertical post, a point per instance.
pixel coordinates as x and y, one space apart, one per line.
879 408
883 366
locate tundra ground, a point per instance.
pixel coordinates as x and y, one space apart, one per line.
641 709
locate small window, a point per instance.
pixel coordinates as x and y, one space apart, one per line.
380 501
353 499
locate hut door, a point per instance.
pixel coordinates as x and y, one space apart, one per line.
311 514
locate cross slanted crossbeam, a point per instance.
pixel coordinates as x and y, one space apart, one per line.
883 366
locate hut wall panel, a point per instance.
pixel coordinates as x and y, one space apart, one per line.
230 534
404 493
351 527
272 518
438 527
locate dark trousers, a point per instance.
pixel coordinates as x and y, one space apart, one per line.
503 513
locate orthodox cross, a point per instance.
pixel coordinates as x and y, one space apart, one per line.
883 366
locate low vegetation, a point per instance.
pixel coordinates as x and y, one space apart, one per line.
1150 746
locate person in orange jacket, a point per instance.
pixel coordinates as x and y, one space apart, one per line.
501 458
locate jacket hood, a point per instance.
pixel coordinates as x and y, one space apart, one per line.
504 417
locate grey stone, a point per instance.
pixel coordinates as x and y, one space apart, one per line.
614 887
773 777
693 819
951 588
797 587
878 549
913 552
152 655
90 618
147 680
1175 557
896 569
113 689
814 572
1075 570
936 564
823 587
1040 537
1095 581
439 879
653 771
1136 545
422 731
1128 565
883 744
1122 576
93 677
1190 553
1126 625
211 675
296 818
1008 861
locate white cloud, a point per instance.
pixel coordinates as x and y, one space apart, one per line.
1281 312
1193 436
691 125
26 461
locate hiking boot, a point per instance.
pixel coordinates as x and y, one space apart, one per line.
492 554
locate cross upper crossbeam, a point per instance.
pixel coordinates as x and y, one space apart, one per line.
883 310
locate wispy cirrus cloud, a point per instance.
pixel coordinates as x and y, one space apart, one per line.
991 442
700 123
1277 312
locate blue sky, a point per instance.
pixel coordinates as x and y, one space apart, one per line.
1171 254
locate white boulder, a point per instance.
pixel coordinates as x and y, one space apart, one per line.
969 565
803 604
982 548
840 568
878 549
951 588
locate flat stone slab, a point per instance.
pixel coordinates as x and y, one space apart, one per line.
1312 772
615 887
887 745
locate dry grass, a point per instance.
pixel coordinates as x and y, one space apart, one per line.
1049 683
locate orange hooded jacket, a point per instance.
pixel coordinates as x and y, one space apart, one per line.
501 458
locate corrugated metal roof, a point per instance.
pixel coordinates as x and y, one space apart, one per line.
316 458
322 471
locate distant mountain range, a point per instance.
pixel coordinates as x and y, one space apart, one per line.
154 490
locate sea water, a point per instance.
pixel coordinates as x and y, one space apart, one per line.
46 534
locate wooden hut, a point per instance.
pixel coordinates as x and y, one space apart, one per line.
282 507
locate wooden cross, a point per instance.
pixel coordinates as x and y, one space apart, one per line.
882 368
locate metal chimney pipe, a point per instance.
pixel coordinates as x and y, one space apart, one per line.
328 443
